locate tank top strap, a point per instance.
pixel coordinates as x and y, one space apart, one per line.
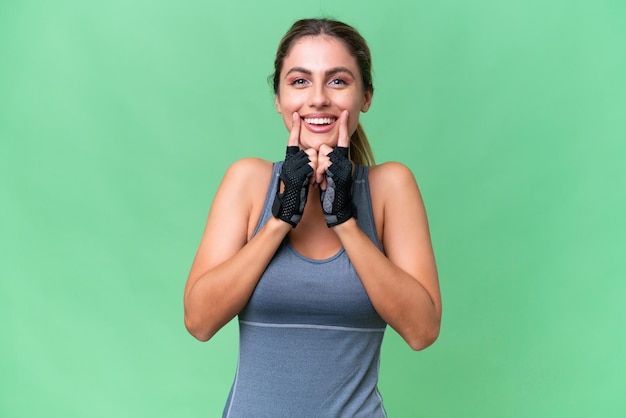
362 200
266 212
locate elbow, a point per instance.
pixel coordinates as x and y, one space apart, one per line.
198 332
425 338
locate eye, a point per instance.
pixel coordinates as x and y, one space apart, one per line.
298 82
338 82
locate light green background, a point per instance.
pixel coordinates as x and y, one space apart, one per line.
118 119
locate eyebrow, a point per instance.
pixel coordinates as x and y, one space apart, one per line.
329 72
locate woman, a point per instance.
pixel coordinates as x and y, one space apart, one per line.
316 264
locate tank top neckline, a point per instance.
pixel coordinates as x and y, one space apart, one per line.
289 245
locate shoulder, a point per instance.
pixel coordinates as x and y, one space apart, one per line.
394 193
247 174
390 176
242 191
247 167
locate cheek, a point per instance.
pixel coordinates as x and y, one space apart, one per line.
289 99
354 107
287 107
287 120
353 119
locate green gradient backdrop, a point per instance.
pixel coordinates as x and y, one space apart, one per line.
118 119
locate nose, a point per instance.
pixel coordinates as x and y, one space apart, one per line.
319 96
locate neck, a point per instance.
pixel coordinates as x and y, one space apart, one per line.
312 237
313 214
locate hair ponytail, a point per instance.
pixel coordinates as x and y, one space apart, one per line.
360 151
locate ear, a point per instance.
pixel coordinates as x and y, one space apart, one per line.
277 104
367 101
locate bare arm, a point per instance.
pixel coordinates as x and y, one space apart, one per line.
402 283
229 261
227 266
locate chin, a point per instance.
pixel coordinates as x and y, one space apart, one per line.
316 143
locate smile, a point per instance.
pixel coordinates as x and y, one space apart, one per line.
319 121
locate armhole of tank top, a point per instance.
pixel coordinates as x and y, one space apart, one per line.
263 217
363 175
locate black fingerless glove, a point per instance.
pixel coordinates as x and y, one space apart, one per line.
294 177
337 198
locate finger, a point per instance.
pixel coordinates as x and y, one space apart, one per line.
344 138
320 173
323 162
294 133
325 150
312 154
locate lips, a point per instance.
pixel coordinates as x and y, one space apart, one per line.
320 121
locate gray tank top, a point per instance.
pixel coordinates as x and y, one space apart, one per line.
309 336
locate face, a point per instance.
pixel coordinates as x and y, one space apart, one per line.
320 79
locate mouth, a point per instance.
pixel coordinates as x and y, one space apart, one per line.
320 121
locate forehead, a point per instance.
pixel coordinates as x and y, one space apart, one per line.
319 52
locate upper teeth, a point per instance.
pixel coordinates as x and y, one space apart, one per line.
319 121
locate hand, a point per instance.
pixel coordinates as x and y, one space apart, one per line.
336 191
294 180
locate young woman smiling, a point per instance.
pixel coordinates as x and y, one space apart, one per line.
315 254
